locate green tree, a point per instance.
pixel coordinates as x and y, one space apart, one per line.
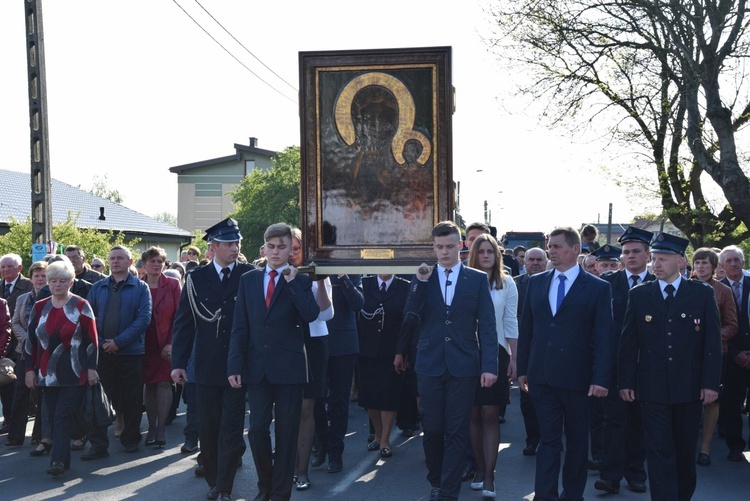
101 189
94 243
167 217
267 197
668 80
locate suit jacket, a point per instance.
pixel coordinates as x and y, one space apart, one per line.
381 317
347 299
741 340
667 356
620 284
461 339
23 285
191 328
522 284
727 311
19 325
572 349
270 342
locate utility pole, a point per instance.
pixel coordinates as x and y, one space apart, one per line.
41 185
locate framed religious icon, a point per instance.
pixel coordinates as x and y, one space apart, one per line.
376 157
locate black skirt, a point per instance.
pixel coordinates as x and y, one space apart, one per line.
498 393
379 384
317 366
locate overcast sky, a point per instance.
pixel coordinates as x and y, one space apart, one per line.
135 87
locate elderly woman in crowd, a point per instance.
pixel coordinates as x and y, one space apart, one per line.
61 353
483 429
157 361
24 305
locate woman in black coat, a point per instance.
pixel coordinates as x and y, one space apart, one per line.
378 325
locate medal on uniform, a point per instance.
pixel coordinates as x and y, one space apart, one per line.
697 325
648 318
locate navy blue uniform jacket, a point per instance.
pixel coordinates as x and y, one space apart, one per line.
668 356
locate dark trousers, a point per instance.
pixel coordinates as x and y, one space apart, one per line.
561 410
596 428
445 406
736 385
530 421
192 421
121 379
221 416
274 472
7 393
21 401
671 434
624 452
340 373
407 417
63 402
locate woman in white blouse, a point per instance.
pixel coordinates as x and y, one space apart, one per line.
484 430
316 348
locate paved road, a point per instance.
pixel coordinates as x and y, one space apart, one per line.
168 475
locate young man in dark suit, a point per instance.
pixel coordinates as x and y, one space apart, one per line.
624 452
564 357
267 353
204 322
457 344
670 361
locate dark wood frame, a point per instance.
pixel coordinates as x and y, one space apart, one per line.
364 257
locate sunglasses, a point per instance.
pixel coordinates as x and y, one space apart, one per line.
97 266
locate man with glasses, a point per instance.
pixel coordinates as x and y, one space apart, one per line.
83 272
97 265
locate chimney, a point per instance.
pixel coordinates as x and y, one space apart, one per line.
253 142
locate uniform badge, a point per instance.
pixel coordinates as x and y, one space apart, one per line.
683 315
648 318
697 325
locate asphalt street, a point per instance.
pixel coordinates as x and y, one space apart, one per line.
168 475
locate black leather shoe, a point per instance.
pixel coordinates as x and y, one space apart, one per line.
637 486
317 459
213 493
435 494
407 433
735 456
606 486
529 450
188 448
594 464
335 463
131 448
703 459
94 453
224 496
468 473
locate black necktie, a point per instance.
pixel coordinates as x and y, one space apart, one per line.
669 289
382 287
447 284
225 275
6 292
635 279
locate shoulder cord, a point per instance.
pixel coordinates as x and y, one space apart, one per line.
369 316
194 306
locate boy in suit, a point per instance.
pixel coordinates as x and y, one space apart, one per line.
267 353
457 344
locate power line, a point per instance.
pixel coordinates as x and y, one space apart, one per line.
243 46
230 53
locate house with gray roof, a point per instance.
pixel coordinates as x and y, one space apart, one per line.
204 188
15 203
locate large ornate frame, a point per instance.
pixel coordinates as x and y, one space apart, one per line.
376 157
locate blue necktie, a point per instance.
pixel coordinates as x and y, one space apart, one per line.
560 291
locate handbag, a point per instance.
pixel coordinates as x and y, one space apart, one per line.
97 410
7 374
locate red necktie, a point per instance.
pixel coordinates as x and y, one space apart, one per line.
271 286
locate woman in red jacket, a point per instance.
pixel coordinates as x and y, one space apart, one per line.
157 361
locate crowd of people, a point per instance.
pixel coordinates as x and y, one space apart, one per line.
622 350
